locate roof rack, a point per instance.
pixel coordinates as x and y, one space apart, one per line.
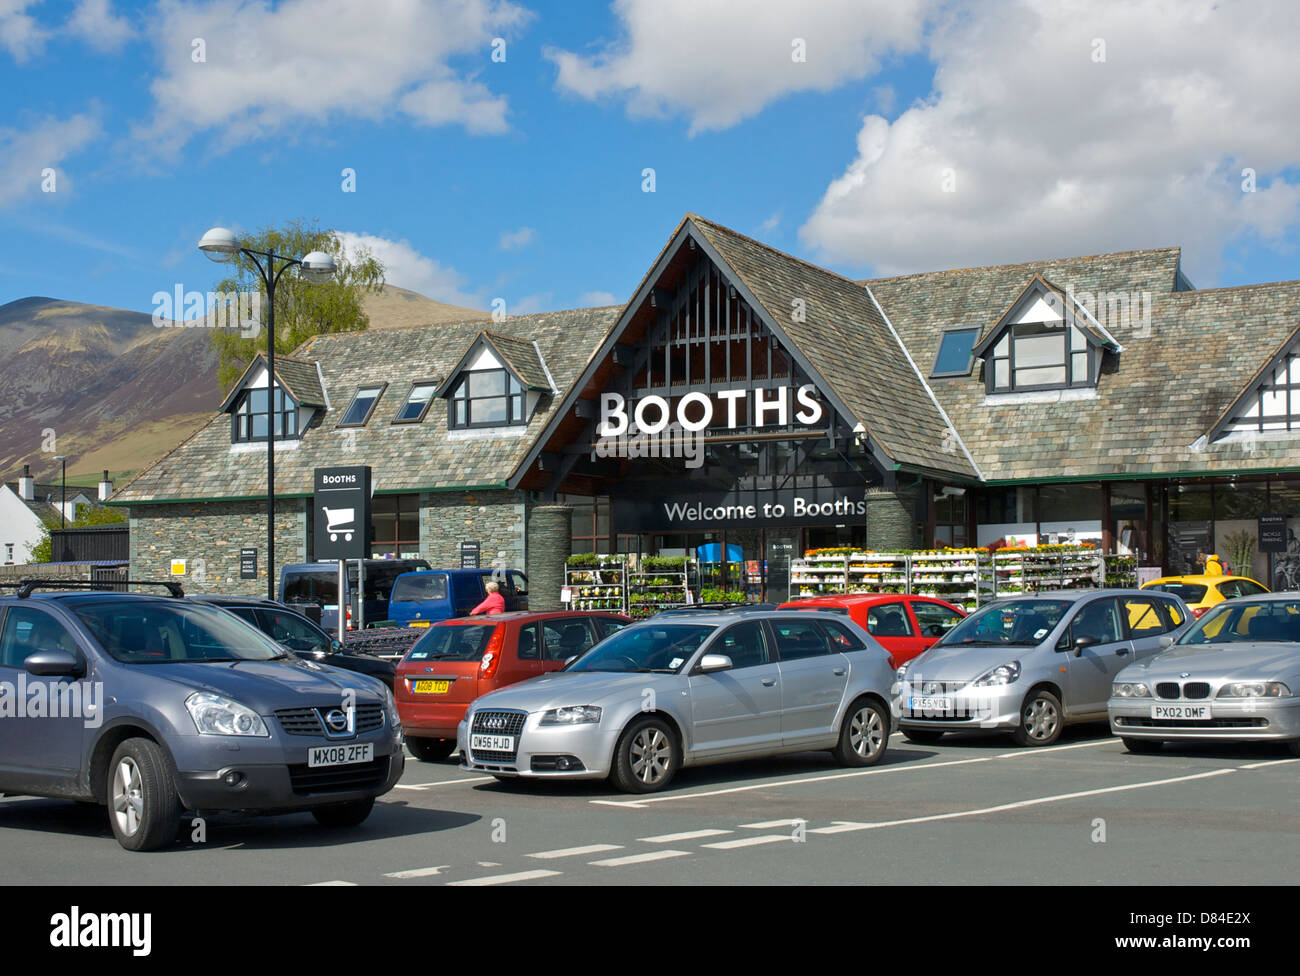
25 587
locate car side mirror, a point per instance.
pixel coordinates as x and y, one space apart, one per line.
1166 641
336 645
55 663
1081 642
714 662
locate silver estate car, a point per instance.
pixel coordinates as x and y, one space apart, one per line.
1234 675
678 691
1031 664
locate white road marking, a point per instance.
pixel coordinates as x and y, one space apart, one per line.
844 826
642 802
489 864
684 835
618 862
418 872
575 851
769 824
731 845
332 884
1270 762
496 879
445 782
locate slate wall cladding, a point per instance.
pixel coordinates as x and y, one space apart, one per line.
493 519
550 542
209 536
891 519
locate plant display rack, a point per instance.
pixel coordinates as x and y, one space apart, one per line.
597 582
661 583
1048 568
966 578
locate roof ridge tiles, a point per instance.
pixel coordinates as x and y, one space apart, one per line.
1011 266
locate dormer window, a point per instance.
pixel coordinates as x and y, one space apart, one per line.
362 405
1039 356
487 398
1045 341
249 422
416 404
954 357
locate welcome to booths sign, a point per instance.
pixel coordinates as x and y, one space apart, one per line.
804 506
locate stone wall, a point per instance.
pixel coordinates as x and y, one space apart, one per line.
891 519
493 519
59 571
550 542
209 535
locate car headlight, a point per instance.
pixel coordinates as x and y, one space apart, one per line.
390 709
1003 674
901 673
1130 689
572 715
215 715
1255 689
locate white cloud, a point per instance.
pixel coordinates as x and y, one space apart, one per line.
1051 153
406 267
514 240
596 299
771 224
25 154
307 61
95 22
20 34
723 60
531 304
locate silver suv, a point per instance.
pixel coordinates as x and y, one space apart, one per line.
1032 664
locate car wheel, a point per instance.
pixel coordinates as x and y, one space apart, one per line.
1141 745
344 814
431 750
1040 719
646 757
922 737
144 809
864 734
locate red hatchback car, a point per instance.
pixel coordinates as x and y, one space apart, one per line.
465 657
904 625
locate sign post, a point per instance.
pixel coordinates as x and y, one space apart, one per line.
341 513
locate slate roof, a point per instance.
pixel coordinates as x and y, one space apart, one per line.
406 457
521 358
1154 401
45 501
298 376
849 345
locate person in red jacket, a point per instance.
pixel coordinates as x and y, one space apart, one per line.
493 603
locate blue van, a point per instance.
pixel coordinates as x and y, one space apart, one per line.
425 597
313 589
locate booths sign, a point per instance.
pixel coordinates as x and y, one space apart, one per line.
697 411
811 506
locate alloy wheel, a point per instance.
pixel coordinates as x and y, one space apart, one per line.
866 732
128 796
650 755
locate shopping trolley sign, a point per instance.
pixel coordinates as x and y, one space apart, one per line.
341 505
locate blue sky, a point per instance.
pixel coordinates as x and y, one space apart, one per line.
839 158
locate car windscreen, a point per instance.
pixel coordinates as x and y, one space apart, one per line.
647 647
1020 622
453 642
411 589
170 632
318 587
1244 621
1189 592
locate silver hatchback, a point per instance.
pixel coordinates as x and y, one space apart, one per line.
1031 664
677 691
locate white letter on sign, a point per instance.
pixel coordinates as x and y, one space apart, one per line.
805 397
762 406
651 401
731 396
704 421
611 408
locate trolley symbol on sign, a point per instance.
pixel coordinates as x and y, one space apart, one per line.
338 521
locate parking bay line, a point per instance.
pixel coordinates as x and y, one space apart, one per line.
576 851
418 872
445 782
769 824
641 803
731 845
618 862
841 827
496 879
684 835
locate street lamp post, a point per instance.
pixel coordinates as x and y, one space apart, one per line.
221 245
63 503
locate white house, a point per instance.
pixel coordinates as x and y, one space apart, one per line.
23 506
